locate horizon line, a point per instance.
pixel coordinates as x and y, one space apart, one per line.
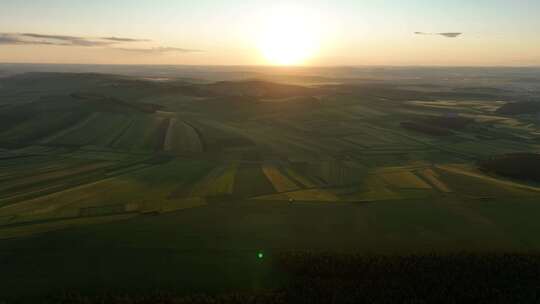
278 66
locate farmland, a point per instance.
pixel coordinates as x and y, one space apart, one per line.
190 179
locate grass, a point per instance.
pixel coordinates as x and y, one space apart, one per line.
250 181
144 134
219 182
182 138
212 249
97 131
463 174
304 181
346 278
40 127
316 195
404 179
433 178
280 182
148 187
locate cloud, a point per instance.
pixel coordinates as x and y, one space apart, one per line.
10 39
65 40
447 35
160 50
122 39
104 42
450 35
7 39
42 39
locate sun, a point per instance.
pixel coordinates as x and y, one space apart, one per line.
290 37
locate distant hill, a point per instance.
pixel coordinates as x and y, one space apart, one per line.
257 88
521 107
426 128
437 125
106 84
448 122
27 123
105 103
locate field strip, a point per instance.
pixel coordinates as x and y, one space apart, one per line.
55 175
31 229
168 142
188 203
198 134
307 195
219 181
54 191
193 138
121 133
313 195
433 178
224 184
161 131
465 172
200 188
280 182
49 168
404 179
61 133
301 179
262 137
377 189
63 189
182 137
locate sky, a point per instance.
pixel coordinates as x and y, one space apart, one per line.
260 32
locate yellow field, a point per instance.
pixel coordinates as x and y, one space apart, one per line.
404 179
56 174
313 195
433 178
53 203
27 230
181 204
273 197
467 171
318 195
377 190
280 182
218 182
305 182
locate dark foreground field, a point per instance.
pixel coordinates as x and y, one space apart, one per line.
339 278
214 250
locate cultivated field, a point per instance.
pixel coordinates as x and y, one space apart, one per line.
116 182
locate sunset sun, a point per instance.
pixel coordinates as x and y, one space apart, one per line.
289 37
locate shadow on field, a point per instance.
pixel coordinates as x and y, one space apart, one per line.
340 278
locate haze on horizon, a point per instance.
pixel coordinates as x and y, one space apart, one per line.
240 32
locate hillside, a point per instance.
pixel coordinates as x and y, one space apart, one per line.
522 166
522 107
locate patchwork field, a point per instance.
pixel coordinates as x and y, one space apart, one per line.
187 179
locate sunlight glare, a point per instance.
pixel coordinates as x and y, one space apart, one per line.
290 37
